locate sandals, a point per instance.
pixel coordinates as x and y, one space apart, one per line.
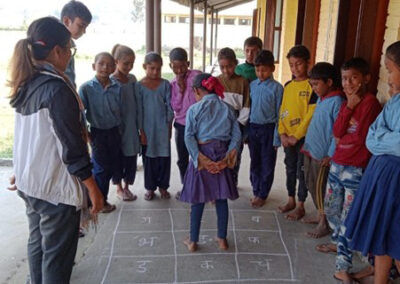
326 248
149 195
164 194
108 208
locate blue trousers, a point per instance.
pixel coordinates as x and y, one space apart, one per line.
105 156
263 158
53 240
127 170
183 154
157 171
196 214
294 162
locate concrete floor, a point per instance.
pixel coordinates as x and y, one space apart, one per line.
141 242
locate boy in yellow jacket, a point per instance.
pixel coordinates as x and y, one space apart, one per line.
297 108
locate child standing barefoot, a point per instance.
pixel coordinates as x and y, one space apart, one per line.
130 145
212 137
155 120
373 223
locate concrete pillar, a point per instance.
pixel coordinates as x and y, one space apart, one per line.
157 26
191 33
149 25
204 35
211 35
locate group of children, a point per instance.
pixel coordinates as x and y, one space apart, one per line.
326 122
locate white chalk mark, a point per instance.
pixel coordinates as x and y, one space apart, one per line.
198 254
175 253
203 239
112 245
284 245
207 264
256 219
146 242
142 265
187 230
146 220
236 247
254 240
263 263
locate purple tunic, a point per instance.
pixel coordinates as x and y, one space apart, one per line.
202 186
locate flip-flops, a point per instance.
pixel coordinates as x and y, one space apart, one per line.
149 195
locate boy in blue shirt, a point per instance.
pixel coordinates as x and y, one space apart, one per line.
101 97
266 97
76 17
319 144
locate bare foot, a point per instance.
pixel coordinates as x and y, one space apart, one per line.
149 195
288 206
128 195
192 246
297 214
320 231
223 244
343 276
367 271
326 248
311 220
257 202
120 191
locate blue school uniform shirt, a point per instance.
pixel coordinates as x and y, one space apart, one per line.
384 134
155 117
103 105
266 99
210 119
319 142
129 128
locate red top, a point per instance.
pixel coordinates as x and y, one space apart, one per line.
351 127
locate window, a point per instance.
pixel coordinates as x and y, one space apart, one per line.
169 19
273 27
244 22
198 20
229 21
184 20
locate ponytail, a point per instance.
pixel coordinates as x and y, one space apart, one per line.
21 67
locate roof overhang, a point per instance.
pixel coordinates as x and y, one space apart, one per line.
217 5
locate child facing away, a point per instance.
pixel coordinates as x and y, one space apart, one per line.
319 144
130 145
236 94
155 120
101 98
373 223
350 158
297 108
266 97
76 17
212 137
182 97
252 47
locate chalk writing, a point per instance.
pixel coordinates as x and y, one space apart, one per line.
254 240
206 264
256 219
146 242
146 220
142 265
263 263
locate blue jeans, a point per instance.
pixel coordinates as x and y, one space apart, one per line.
53 240
222 215
343 182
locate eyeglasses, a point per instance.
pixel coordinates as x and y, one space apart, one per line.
73 51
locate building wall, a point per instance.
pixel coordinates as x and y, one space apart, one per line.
327 30
392 34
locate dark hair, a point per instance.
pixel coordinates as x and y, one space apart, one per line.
75 9
119 51
42 36
325 71
357 63
153 57
299 51
104 53
200 78
264 57
228 54
179 54
253 41
393 52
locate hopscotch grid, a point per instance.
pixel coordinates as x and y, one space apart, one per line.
175 253
188 230
284 245
197 254
236 247
236 253
112 245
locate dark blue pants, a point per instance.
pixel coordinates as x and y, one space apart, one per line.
105 156
294 161
157 171
263 158
126 171
222 215
53 240
183 154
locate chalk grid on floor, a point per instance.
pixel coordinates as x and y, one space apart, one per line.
147 246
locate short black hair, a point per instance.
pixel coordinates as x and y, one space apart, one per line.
325 71
299 51
357 63
393 52
200 78
104 53
264 57
253 41
74 9
227 53
179 54
153 56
